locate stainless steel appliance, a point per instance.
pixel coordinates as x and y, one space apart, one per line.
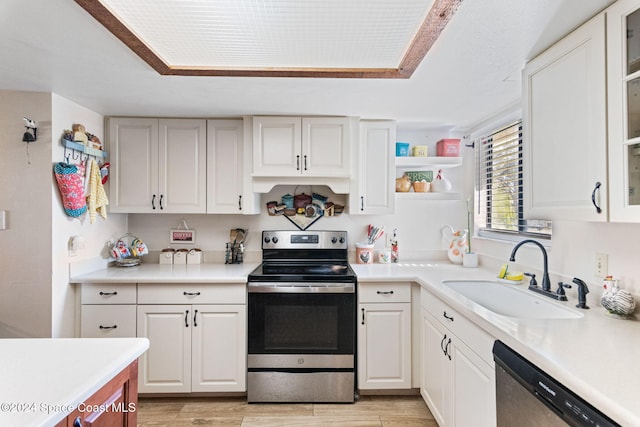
527 397
301 319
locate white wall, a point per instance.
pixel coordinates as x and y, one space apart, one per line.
96 235
25 196
35 297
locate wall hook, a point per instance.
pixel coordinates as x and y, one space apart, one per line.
30 125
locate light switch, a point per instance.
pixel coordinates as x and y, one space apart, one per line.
3 220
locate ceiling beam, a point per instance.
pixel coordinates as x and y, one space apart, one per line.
439 15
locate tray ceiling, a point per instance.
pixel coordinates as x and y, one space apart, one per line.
277 38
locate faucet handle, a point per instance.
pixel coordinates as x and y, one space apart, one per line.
533 282
560 292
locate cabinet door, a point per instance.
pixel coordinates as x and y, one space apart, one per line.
113 405
277 146
384 346
133 175
473 389
166 366
623 50
182 166
565 128
224 166
325 146
374 189
434 385
219 348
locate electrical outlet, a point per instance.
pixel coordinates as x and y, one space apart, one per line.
602 265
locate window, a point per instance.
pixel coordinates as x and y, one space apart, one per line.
499 185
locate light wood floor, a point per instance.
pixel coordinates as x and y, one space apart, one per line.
368 411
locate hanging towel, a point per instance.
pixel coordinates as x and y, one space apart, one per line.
70 186
97 199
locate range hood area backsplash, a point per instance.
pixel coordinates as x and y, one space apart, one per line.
418 226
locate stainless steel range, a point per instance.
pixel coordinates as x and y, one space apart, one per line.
301 319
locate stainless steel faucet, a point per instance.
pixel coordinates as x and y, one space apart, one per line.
546 282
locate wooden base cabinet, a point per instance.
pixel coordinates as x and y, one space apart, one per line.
457 384
384 336
114 405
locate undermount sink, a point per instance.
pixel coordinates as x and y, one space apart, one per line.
504 300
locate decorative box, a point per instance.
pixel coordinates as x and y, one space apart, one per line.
448 148
419 151
402 149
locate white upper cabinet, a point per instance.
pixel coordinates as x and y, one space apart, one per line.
373 186
623 49
295 146
158 166
565 128
225 169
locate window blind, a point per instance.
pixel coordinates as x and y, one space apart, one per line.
499 184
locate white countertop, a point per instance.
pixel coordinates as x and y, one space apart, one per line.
44 380
169 273
596 356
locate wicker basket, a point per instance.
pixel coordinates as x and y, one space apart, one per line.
421 186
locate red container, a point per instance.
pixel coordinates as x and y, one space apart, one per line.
448 148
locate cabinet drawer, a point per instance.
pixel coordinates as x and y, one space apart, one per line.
108 321
472 335
194 293
384 292
106 293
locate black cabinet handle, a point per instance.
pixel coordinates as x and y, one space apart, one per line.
384 292
298 162
195 314
186 319
446 352
240 202
446 316
593 196
305 162
108 327
361 203
363 316
153 202
190 293
108 294
161 197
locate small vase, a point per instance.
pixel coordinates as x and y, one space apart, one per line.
470 259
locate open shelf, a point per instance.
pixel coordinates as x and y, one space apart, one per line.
411 195
433 162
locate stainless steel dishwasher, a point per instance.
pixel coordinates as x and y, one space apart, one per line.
527 397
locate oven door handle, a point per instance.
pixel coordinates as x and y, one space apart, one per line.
301 288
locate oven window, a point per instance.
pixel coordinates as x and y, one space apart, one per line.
316 330
301 323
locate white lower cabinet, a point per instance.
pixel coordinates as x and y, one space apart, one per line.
198 347
458 376
108 310
193 348
384 336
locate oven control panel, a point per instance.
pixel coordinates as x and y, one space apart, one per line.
281 239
